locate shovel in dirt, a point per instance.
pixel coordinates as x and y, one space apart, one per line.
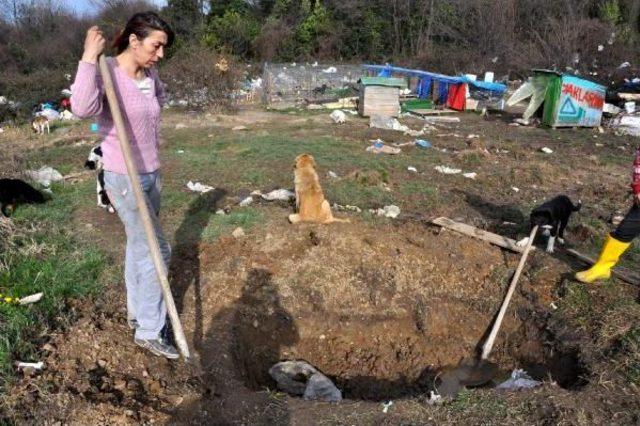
476 372
125 146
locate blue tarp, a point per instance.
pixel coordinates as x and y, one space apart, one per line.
387 70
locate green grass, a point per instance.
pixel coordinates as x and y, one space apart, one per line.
44 256
245 217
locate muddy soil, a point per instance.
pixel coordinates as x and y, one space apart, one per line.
381 307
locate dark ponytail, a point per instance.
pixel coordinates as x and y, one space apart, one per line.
141 25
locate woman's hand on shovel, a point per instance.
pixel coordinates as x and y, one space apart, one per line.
94 45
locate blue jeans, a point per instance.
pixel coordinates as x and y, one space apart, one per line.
144 293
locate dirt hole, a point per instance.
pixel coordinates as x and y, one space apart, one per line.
383 311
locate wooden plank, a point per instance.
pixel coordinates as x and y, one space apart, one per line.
472 231
431 111
622 273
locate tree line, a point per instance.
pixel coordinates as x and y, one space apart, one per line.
41 41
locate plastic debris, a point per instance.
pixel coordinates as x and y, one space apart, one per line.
434 398
45 175
27 300
422 143
381 148
338 116
386 406
199 187
246 201
546 150
333 174
320 388
301 378
239 128
279 194
390 123
238 232
180 151
412 169
390 211
515 189
519 380
471 175
347 207
330 70
33 365
220 212
447 170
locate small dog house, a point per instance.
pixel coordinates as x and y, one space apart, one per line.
380 96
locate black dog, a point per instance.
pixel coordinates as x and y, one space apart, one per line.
552 216
16 191
94 162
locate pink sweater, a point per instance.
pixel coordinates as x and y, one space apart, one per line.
141 114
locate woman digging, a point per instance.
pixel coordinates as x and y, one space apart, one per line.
139 48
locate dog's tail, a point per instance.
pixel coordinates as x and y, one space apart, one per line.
577 207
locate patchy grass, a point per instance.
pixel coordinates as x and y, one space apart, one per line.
43 256
246 218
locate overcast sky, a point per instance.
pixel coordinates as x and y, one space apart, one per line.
87 7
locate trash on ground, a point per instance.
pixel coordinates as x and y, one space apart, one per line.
611 109
245 202
220 212
238 232
180 151
181 126
627 125
347 207
390 123
34 365
381 148
239 128
45 175
390 211
199 187
338 117
434 398
519 380
472 136
546 150
303 379
333 175
279 194
422 143
386 406
447 170
471 175
412 169
515 189
34 298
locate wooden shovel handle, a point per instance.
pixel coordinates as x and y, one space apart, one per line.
152 240
488 344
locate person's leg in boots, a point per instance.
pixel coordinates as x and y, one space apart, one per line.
614 246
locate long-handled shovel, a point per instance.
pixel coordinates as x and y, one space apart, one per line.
476 372
181 341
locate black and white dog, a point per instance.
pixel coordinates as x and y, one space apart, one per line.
94 162
553 217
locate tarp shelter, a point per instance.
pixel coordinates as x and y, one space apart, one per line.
566 100
380 96
448 90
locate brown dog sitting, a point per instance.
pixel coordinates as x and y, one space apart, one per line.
310 201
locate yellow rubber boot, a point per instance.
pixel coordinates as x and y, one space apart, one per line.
601 270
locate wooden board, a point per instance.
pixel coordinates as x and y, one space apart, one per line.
431 111
472 231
